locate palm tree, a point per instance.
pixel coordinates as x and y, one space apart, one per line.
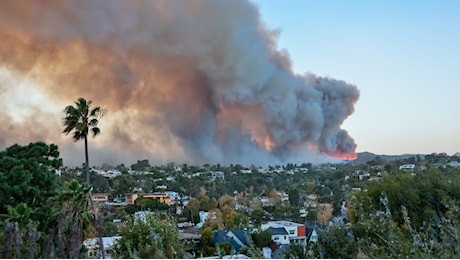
81 119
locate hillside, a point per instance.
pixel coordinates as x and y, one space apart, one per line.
365 157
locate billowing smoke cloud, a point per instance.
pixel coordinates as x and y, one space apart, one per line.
185 81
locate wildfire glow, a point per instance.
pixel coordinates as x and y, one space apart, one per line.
344 156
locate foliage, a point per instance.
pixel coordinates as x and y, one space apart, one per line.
258 216
151 204
207 248
72 218
20 235
294 197
295 252
192 210
110 229
226 248
336 242
63 238
408 221
80 120
156 236
141 165
27 176
424 194
262 239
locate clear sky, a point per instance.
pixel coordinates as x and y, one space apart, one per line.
403 56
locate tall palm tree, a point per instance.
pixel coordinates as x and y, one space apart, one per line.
81 119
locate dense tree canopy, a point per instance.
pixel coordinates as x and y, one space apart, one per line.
155 236
27 175
408 215
38 217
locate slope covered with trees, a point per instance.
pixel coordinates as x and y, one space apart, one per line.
39 218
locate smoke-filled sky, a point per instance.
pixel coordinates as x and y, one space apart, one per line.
403 56
183 81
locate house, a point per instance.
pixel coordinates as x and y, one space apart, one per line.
312 234
409 167
92 244
142 215
100 198
311 200
237 238
454 164
163 197
161 187
190 235
293 232
279 235
217 176
206 216
173 195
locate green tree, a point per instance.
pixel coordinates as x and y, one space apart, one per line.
20 236
422 221
150 204
226 248
110 229
192 210
141 165
80 120
72 218
262 239
207 248
68 218
295 252
258 216
156 236
27 175
39 218
294 197
336 242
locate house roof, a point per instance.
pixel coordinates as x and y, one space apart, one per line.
237 238
280 252
278 231
241 235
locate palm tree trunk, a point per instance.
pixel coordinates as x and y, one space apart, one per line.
96 218
86 161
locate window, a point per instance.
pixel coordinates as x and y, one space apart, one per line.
291 232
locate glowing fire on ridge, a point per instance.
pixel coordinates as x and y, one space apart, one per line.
344 156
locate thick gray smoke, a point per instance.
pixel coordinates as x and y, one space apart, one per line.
185 81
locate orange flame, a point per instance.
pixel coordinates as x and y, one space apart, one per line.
344 156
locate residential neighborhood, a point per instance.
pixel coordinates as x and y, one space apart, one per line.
341 210
320 202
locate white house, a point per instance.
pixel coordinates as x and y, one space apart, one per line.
142 215
454 164
217 175
407 167
92 244
287 232
173 195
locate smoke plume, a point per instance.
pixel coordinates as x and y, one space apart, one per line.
185 81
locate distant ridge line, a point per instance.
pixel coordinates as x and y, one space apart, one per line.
365 157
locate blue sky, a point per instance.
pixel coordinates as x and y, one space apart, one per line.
403 56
